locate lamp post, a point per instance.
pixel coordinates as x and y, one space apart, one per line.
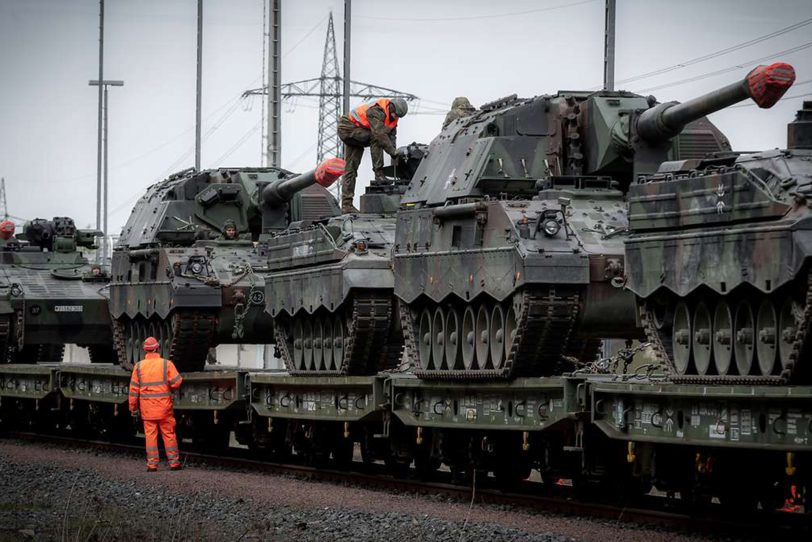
104 83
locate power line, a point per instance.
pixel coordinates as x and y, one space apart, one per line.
718 53
302 40
475 17
783 98
240 142
328 87
729 69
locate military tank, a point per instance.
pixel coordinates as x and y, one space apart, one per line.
509 257
175 277
720 260
330 287
51 295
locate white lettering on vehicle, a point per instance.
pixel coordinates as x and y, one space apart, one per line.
68 308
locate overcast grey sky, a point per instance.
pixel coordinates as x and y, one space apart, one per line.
436 49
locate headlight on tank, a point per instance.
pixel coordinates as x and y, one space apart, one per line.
16 290
551 227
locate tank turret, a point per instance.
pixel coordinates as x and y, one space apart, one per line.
58 235
510 235
175 273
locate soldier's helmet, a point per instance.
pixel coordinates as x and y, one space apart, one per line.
401 107
151 344
229 224
461 102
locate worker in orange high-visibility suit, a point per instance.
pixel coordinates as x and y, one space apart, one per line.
151 393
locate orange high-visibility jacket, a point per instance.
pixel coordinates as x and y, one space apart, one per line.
358 116
151 386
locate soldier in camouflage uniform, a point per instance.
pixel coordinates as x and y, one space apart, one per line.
373 126
460 108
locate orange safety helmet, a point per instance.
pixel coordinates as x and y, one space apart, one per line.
6 229
151 344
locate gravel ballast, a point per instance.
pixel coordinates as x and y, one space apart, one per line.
58 493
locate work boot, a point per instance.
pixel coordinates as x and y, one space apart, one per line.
379 176
348 208
176 467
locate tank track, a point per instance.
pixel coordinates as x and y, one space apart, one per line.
788 375
367 347
544 317
192 336
5 332
120 345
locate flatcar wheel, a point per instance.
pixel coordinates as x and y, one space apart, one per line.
482 335
703 332
318 340
338 341
767 342
497 336
298 344
791 312
438 339
743 337
510 330
424 338
722 338
453 332
469 339
307 344
327 344
681 337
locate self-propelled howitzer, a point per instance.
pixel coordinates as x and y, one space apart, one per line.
509 251
720 260
330 289
177 278
50 295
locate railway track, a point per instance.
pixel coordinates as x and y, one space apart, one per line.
654 511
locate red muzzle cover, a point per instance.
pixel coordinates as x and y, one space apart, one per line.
329 170
768 83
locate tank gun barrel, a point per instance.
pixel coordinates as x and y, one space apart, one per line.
325 174
764 84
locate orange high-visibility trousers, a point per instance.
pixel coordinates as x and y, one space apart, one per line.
167 428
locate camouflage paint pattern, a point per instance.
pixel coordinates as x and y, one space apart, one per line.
318 266
168 260
50 294
471 223
721 224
